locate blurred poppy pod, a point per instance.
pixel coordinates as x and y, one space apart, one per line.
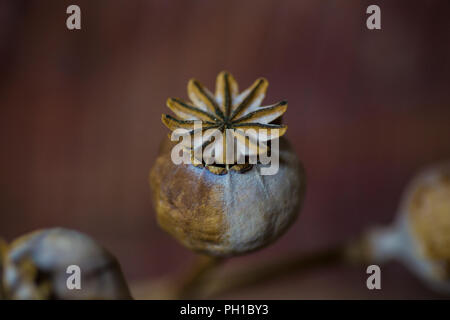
225 207
420 238
37 266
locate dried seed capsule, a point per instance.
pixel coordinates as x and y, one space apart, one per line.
36 266
421 235
224 207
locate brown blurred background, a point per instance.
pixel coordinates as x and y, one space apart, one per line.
80 118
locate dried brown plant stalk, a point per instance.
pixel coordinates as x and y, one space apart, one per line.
193 280
207 280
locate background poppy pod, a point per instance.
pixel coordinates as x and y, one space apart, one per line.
420 237
35 267
229 209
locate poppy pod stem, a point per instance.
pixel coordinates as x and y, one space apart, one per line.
260 273
205 280
192 281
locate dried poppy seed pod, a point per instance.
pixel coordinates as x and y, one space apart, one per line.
36 265
228 208
420 238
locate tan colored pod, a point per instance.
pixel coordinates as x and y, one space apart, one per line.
35 268
420 236
223 205
429 214
228 214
